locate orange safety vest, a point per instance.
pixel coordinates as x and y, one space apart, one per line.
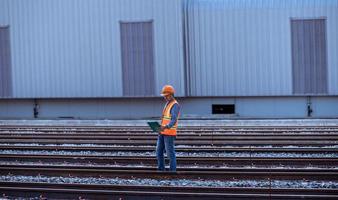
166 117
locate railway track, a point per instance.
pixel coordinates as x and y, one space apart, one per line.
211 142
192 161
269 177
215 136
92 191
178 149
67 174
153 191
185 172
181 137
185 129
96 172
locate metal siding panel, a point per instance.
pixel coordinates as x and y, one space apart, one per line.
168 45
148 60
208 22
325 106
203 56
137 46
295 62
117 11
201 42
271 107
160 47
101 108
4 10
72 48
309 56
179 49
229 58
256 54
219 53
332 49
5 56
20 109
111 86
301 76
320 61
284 73
317 67
322 57
5 63
192 47
104 77
124 47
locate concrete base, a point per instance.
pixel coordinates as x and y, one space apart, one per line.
127 108
182 122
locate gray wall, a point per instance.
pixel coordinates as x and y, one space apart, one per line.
309 56
127 108
72 48
67 54
16 109
5 63
243 48
137 48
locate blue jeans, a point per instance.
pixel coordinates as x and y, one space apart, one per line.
166 143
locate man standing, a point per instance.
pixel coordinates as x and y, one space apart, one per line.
167 135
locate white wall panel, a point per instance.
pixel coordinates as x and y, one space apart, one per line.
4 12
270 107
243 47
71 48
246 107
16 109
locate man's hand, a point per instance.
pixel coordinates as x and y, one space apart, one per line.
162 128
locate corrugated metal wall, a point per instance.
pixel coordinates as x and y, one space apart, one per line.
243 47
137 49
309 56
5 63
72 48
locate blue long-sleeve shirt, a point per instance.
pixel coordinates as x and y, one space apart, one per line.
174 115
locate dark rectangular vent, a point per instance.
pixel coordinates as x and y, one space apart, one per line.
223 109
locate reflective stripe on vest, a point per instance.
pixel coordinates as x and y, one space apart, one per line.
166 118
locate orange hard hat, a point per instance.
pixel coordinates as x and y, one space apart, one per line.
167 90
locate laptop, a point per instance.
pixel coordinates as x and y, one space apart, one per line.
155 126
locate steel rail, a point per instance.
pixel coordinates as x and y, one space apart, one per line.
150 141
178 149
80 191
193 161
179 175
180 169
182 130
179 137
180 134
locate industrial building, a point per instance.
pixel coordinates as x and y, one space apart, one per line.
226 58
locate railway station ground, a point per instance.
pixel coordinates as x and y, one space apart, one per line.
216 159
